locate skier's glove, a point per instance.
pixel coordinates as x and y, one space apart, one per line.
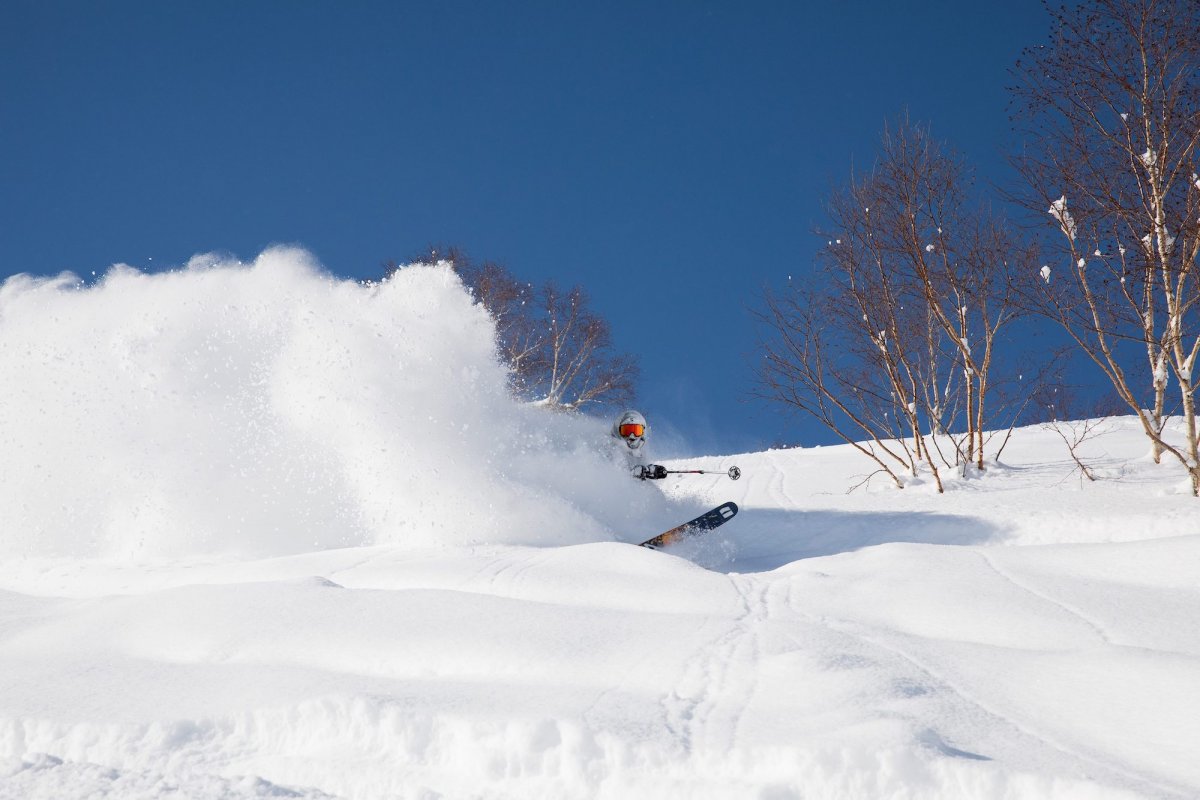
649 472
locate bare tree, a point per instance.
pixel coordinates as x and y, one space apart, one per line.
1074 435
1112 106
893 339
896 335
810 363
958 256
559 351
574 364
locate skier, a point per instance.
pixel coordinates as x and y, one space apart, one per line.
631 430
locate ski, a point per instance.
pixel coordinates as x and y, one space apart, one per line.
705 522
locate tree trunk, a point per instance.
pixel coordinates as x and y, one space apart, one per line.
1189 418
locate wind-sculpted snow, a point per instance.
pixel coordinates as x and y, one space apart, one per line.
270 534
269 408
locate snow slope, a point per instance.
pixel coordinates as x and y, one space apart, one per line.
264 533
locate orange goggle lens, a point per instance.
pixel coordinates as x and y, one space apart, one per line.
633 430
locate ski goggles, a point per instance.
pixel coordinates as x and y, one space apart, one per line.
632 429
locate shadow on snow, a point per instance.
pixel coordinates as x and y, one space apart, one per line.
760 540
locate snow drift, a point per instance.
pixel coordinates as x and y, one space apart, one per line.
270 408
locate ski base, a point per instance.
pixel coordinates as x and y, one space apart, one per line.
705 522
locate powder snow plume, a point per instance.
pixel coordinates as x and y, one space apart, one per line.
271 408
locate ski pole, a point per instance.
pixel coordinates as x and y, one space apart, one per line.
733 472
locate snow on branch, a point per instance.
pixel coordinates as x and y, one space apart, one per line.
1058 210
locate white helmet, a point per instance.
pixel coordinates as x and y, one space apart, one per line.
631 428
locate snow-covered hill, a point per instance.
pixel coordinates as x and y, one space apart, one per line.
268 534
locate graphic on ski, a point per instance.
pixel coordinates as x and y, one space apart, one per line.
705 522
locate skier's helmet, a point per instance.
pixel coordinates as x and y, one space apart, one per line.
631 428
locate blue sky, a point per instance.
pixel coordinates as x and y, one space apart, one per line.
672 157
